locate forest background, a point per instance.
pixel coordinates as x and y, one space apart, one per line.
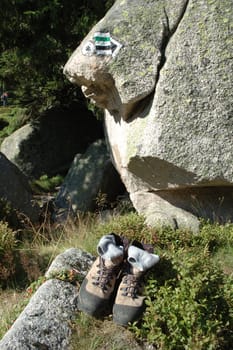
36 39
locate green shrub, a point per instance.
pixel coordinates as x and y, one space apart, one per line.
7 238
190 311
189 298
46 184
7 247
18 265
9 214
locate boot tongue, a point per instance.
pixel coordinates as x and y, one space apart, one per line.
140 260
108 249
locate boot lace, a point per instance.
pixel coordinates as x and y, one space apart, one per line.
131 286
105 275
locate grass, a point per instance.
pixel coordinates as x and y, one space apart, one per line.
94 334
12 302
194 279
224 257
11 119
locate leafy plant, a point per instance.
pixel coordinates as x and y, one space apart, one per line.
72 276
101 201
189 298
7 238
47 184
18 265
7 247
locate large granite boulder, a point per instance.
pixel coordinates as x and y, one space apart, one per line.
90 178
46 322
163 71
48 145
15 191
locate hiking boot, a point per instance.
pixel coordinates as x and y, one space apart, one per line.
96 291
130 303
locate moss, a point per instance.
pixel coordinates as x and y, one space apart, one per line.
125 14
117 31
133 141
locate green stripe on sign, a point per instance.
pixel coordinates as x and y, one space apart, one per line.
101 38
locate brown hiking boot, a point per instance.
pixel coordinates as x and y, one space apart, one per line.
130 303
96 291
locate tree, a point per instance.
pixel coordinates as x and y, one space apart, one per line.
36 39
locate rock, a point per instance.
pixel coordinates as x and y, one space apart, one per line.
48 145
91 175
45 323
72 258
142 29
16 191
168 99
12 145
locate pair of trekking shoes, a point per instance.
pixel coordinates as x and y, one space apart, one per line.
114 283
